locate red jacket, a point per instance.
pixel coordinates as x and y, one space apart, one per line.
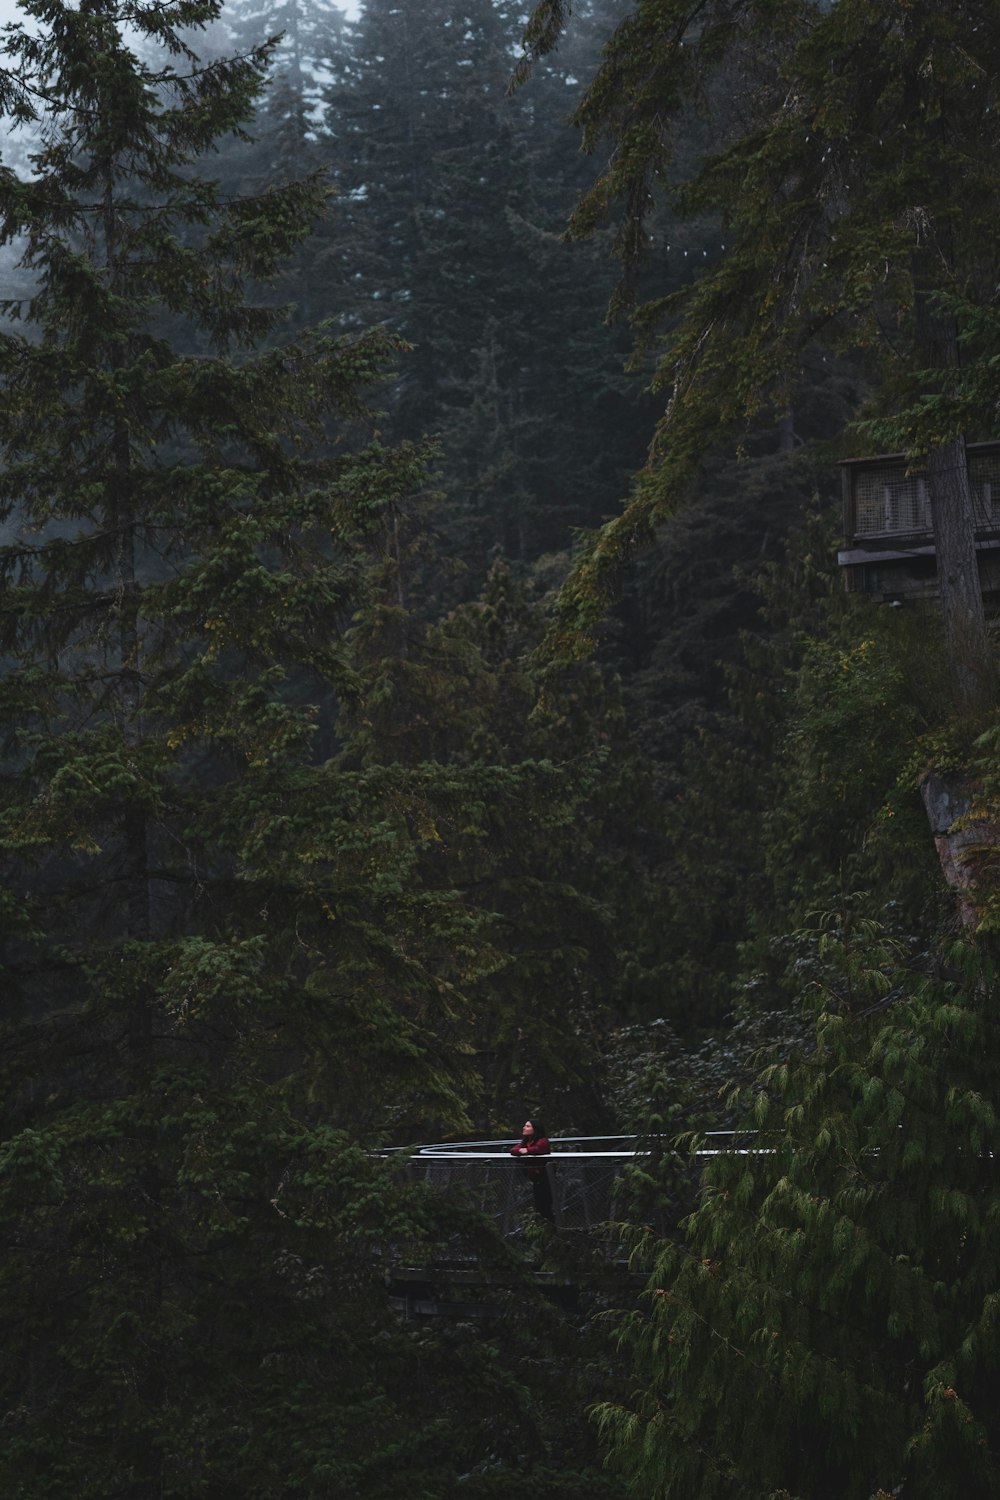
536 1146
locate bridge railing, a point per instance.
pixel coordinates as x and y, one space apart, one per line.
585 1173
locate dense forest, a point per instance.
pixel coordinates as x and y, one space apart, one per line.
429 696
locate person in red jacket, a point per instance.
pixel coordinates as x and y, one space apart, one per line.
534 1142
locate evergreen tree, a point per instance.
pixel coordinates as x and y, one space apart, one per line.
856 198
282 142
171 570
308 33
223 985
448 229
422 106
540 822
826 1327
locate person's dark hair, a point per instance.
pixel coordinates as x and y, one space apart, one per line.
539 1127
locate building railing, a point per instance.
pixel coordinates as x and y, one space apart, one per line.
883 499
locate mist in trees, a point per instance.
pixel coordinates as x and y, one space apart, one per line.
427 697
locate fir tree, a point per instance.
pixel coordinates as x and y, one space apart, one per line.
307 36
856 200
452 204
538 799
223 985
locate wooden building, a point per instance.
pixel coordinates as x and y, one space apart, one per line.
888 550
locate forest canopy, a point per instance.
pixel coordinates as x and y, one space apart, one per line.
428 698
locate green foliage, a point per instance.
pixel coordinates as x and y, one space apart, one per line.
711 636
235 963
297 870
197 1328
448 229
188 543
824 1329
837 185
848 738
534 801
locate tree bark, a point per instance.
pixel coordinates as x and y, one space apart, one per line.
953 515
954 522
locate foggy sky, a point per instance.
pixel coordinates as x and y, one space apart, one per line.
8 9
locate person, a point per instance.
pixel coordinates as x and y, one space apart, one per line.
534 1142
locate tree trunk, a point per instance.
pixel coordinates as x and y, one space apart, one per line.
953 516
959 836
954 523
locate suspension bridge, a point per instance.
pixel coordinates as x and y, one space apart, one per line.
587 1177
